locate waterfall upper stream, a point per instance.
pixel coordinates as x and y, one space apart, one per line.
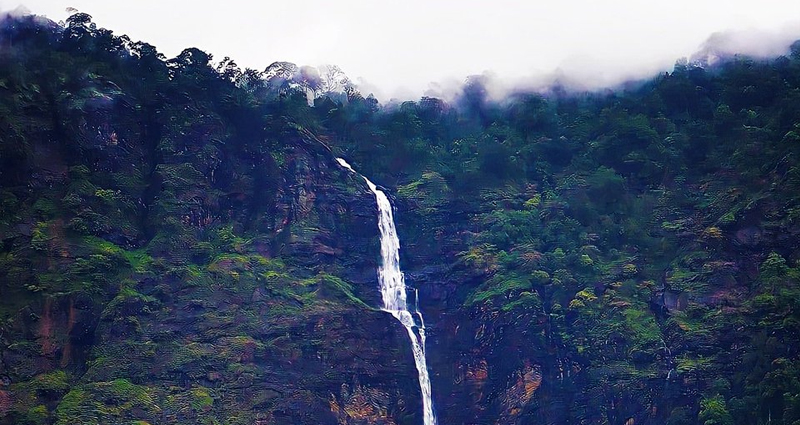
393 292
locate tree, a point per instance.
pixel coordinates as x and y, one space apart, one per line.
714 411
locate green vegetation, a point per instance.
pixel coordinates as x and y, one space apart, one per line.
178 245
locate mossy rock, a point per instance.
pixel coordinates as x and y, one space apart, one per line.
107 402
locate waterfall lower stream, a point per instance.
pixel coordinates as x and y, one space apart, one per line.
393 292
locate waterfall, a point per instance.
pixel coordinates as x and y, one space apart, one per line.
393 293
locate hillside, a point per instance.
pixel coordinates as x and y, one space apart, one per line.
179 245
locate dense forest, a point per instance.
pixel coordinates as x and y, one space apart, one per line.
178 244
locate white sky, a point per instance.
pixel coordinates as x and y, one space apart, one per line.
397 47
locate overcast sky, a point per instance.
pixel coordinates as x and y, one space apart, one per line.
398 47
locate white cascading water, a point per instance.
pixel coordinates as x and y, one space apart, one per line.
393 292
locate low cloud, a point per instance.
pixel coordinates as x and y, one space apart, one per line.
586 73
404 50
751 42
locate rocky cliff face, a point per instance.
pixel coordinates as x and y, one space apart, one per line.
506 348
277 329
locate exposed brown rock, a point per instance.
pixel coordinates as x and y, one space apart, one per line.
517 397
5 403
46 329
475 377
71 320
362 405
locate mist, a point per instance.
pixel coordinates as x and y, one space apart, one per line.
405 49
590 73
